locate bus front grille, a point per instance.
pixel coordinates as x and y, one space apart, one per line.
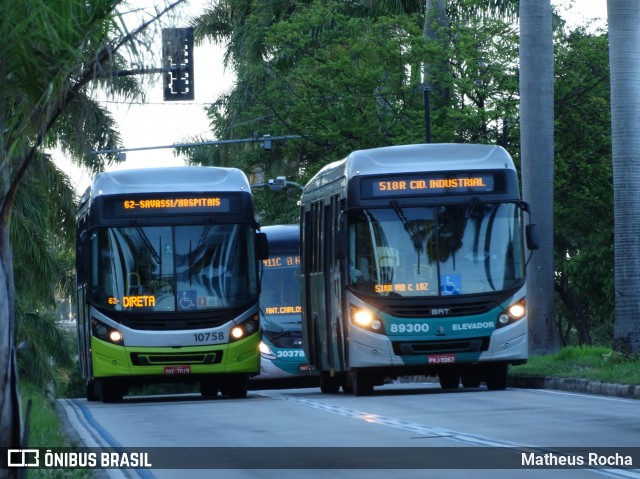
414 348
145 324
178 358
431 310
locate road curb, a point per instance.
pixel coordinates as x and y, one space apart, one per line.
584 386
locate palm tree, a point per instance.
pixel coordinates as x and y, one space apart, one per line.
42 235
536 146
51 52
240 25
624 58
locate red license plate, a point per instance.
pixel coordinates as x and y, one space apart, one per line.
441 359
174 370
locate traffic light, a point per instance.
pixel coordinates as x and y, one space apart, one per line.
177 60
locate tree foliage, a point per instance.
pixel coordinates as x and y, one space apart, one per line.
346 82
53 53
583 189
42 232
345 78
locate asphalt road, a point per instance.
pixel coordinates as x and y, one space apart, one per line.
403 430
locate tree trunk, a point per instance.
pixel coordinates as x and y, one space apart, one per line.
10 418
536 137
624 58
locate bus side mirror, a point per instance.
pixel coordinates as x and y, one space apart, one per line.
262 246
83 253
532 237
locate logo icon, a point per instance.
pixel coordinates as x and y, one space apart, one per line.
23 458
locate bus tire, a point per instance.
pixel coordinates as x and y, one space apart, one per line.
362 383
471 377
110 392
235 387
329 384
496 376
209 389
90 391
449 379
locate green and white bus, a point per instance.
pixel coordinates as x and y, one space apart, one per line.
413 263
167 280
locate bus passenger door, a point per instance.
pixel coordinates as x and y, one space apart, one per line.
320 327
334 289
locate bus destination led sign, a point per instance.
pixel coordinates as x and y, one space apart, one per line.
281 261
205 202
432 184
159 205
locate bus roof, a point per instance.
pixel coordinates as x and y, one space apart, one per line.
169 179
413 158
282 237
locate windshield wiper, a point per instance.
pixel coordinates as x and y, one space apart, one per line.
147 243
470 206
413 234
401 215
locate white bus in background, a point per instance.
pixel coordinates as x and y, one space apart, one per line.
413 263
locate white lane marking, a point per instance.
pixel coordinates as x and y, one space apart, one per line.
397 423
435 431
583 395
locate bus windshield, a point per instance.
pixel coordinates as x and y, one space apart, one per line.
280 296
436 251
173 268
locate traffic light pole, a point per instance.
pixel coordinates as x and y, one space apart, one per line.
278 184
265 140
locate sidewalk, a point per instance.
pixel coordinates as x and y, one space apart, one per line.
584 386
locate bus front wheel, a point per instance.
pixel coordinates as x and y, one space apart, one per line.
496 376
90 390
235 386
362 383
110 391
471 377
209 389
329 384
449 379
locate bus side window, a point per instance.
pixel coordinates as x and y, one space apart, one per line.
363 266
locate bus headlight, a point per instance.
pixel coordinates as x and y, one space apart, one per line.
245 328
366 320
513 313
266 352
106 333
115 336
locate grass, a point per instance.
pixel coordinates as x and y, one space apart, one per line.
594 363
46 431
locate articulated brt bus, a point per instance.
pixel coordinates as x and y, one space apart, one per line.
413 264
167 277
283 361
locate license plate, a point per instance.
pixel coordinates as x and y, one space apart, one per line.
441 359
306 367
174 370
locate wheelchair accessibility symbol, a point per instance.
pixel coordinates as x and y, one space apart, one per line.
188 299
450 284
